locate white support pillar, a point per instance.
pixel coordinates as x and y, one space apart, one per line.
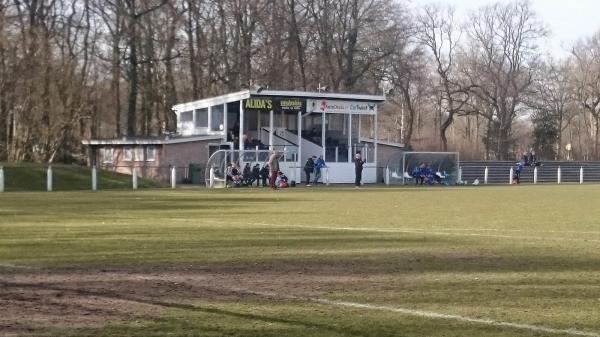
49 179
485 175
94 178
271 127
134 178
323 144
581 175
535 175
558 175
241 135
173 177
300 144
1 179
375 141
511 174
350 154
459 175
225 129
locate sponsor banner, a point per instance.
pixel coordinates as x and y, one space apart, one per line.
276 104
343 107
292 105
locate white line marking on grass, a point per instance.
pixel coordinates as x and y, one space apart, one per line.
436 315
425 314
425 232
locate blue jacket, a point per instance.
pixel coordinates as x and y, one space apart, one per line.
320 163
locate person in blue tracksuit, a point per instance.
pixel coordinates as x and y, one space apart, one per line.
319 164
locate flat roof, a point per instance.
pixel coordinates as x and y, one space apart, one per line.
149 140
245 94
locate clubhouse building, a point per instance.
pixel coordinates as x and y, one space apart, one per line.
297 124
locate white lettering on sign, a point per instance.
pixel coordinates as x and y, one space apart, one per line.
345 107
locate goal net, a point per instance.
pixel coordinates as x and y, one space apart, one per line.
445 165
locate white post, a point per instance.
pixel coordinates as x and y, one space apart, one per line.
1 179
173 177
134 178
323 135
327 176
581 175
387 176
49 179
336 154
558 175
94 178
211 178
256 155
510 178
485 175
535 175
350 154
225 129
459 174
300 145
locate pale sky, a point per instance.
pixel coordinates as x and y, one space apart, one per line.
567 20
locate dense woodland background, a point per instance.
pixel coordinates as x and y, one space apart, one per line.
75 69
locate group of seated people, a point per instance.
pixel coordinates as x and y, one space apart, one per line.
249 175
423 174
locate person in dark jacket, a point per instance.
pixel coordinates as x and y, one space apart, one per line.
358 168
517 173
256 175
264 174
309 167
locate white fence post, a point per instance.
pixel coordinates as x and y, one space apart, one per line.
535 175
558 175
459 174
327 176
94 178
581 175
49 179
173 177
211 177
134 178
510 178
387 176
485 175
1 179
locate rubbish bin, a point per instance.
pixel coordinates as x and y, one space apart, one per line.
196 174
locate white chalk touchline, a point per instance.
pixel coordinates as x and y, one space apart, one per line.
436 315
424 231
426 314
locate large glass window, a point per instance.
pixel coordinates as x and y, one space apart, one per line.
128 154
201 118
336 138
216 118
150 153
186 116
106 155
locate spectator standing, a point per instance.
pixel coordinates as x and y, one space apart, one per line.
309 167
274 167
358 168
517 174
319 164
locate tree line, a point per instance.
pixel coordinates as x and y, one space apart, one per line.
77 69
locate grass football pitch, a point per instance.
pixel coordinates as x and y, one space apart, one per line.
486 261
